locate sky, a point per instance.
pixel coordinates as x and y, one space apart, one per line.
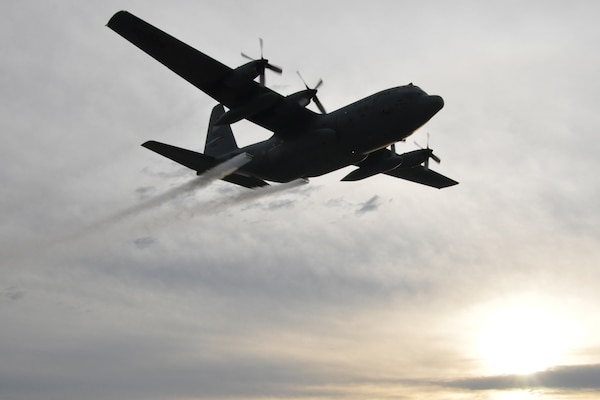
123 278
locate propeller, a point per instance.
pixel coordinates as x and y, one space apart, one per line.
313 93
429 153
393 145
263 64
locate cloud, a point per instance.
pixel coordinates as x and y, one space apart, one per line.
316 290
370 205
144 242
575 377
13 293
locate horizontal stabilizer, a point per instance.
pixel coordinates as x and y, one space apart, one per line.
201 163
423 176
197 161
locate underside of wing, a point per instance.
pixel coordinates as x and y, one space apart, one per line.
423 176
195 67
208 74
246 181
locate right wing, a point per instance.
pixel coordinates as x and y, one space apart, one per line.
388 162
423 176
208 74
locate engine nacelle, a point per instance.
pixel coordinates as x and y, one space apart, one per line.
380 163
414 158
245 73
302 98
254 106
373 168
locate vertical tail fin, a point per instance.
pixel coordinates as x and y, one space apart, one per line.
219 138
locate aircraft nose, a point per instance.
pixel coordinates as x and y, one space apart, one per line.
436 102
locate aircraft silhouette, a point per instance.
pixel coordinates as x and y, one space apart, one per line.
304 143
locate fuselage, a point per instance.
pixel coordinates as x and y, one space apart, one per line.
343 137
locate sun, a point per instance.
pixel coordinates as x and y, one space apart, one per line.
522 338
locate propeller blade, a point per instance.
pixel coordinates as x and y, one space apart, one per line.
314 97
319 105
264 63
247 56
319 84
393 148
302 79
429 155
274 68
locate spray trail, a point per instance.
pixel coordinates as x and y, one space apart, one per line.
218 172
214 206
116 225
245 197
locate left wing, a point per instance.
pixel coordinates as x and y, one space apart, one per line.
209 75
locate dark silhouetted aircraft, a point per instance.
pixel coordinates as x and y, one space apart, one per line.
304 143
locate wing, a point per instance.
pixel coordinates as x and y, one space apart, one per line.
209 75
424 176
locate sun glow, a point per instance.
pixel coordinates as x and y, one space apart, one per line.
521 339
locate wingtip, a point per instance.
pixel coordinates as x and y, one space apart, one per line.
148 144
454 183
116 17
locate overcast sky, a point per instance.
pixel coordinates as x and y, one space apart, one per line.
374 289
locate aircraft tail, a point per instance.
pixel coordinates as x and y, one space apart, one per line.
219 138
220 144
201 163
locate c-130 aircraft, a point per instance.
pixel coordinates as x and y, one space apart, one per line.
304 143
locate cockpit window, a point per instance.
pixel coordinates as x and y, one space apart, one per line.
415 88
410 90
